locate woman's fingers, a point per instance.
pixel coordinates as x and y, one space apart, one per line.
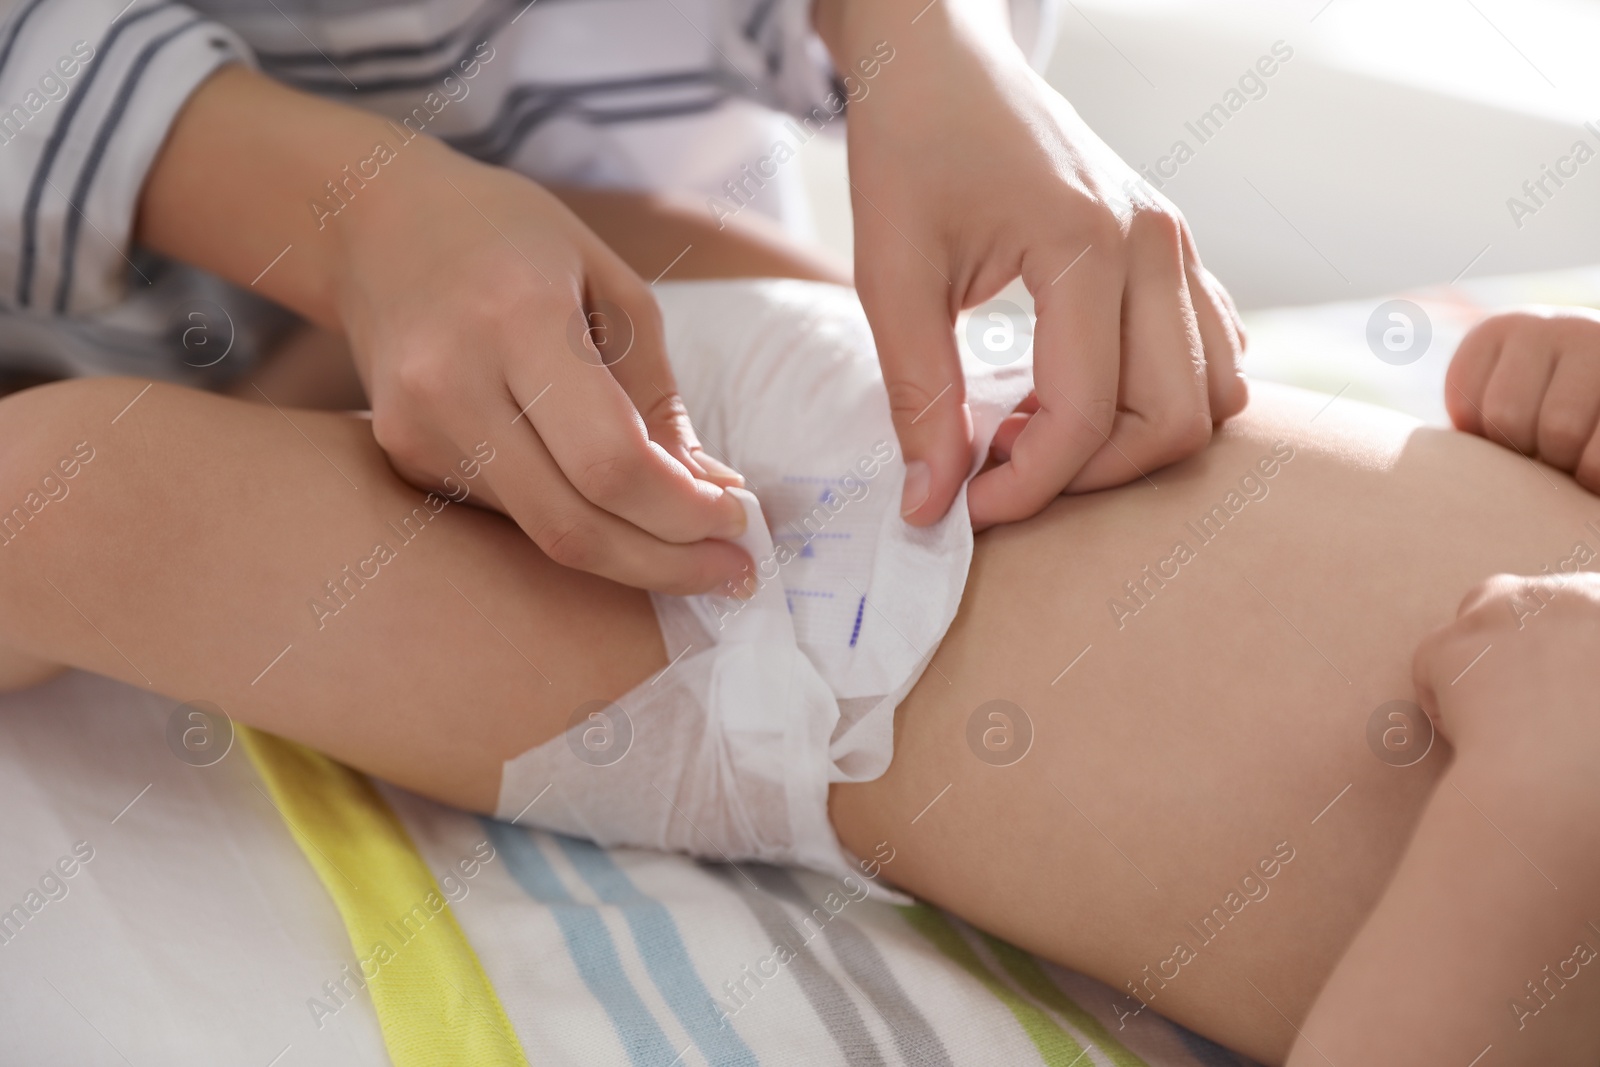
1006 434
595 431
599 463
1166 404
576 532
1221 333
626 329
1077 293
908 307
1221 292
1163 411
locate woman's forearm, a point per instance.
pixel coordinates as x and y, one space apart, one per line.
850 27
239 180
234 186
1484 937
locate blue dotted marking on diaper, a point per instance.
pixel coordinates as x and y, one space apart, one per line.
790 594
855 633
806 551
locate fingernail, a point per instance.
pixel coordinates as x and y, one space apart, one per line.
918 477
734 521
716 468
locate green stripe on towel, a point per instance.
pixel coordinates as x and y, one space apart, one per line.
1027 973
1056 1047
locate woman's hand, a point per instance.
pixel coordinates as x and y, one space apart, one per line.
968 170
1529 379
477 307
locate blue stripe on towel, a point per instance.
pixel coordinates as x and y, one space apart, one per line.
664 954
588 943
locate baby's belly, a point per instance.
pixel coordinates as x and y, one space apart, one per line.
1216 791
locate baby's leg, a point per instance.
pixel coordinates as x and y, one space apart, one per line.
1206 814
271 562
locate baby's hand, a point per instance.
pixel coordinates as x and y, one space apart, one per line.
1514 682
1529 379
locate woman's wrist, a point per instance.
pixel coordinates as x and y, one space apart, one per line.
368 214
851 28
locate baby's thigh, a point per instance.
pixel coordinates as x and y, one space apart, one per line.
1203 812
271 562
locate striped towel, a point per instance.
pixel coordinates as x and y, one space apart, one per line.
622 956
227 915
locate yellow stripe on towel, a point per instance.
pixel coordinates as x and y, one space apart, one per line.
435 1004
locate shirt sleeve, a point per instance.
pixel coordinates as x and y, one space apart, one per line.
771 44
88 90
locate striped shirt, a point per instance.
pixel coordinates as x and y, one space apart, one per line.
674 94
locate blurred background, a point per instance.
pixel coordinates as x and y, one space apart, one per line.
1377 161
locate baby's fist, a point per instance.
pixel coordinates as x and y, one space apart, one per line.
1519 669
1529 379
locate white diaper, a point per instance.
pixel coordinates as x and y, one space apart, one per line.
729 751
